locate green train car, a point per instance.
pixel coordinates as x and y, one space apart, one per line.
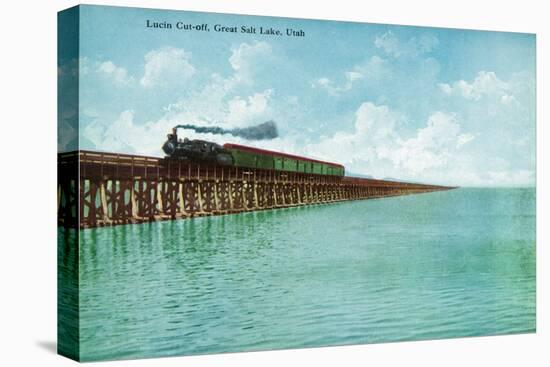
250 157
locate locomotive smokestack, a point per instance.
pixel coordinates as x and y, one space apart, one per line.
264 131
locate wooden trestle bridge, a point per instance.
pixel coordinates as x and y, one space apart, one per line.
103 189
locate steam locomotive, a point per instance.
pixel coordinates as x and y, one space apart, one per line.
243 156
196 150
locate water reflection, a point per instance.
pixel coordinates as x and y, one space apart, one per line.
67 292
426 266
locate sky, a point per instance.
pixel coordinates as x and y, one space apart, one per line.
442 106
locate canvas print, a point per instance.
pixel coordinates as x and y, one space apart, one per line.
233 183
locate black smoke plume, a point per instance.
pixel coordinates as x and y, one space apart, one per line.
264 131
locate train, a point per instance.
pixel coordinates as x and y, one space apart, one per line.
237 155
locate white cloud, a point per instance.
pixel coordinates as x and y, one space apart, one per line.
250 110
220 102
67 139
247 58
215 104
464 139
379 146
376 122
435 153
486 84
323 82
243 57
413 47
374 129
118 74
372 69
389 43
500 116
494 103
67 117
446 88
106 71
508 99
166 65
125 135
379 141
520 177
430 148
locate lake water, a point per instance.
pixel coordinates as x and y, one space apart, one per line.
444 264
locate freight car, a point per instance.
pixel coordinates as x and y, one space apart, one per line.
244 156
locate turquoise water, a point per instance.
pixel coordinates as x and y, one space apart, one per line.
439 265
